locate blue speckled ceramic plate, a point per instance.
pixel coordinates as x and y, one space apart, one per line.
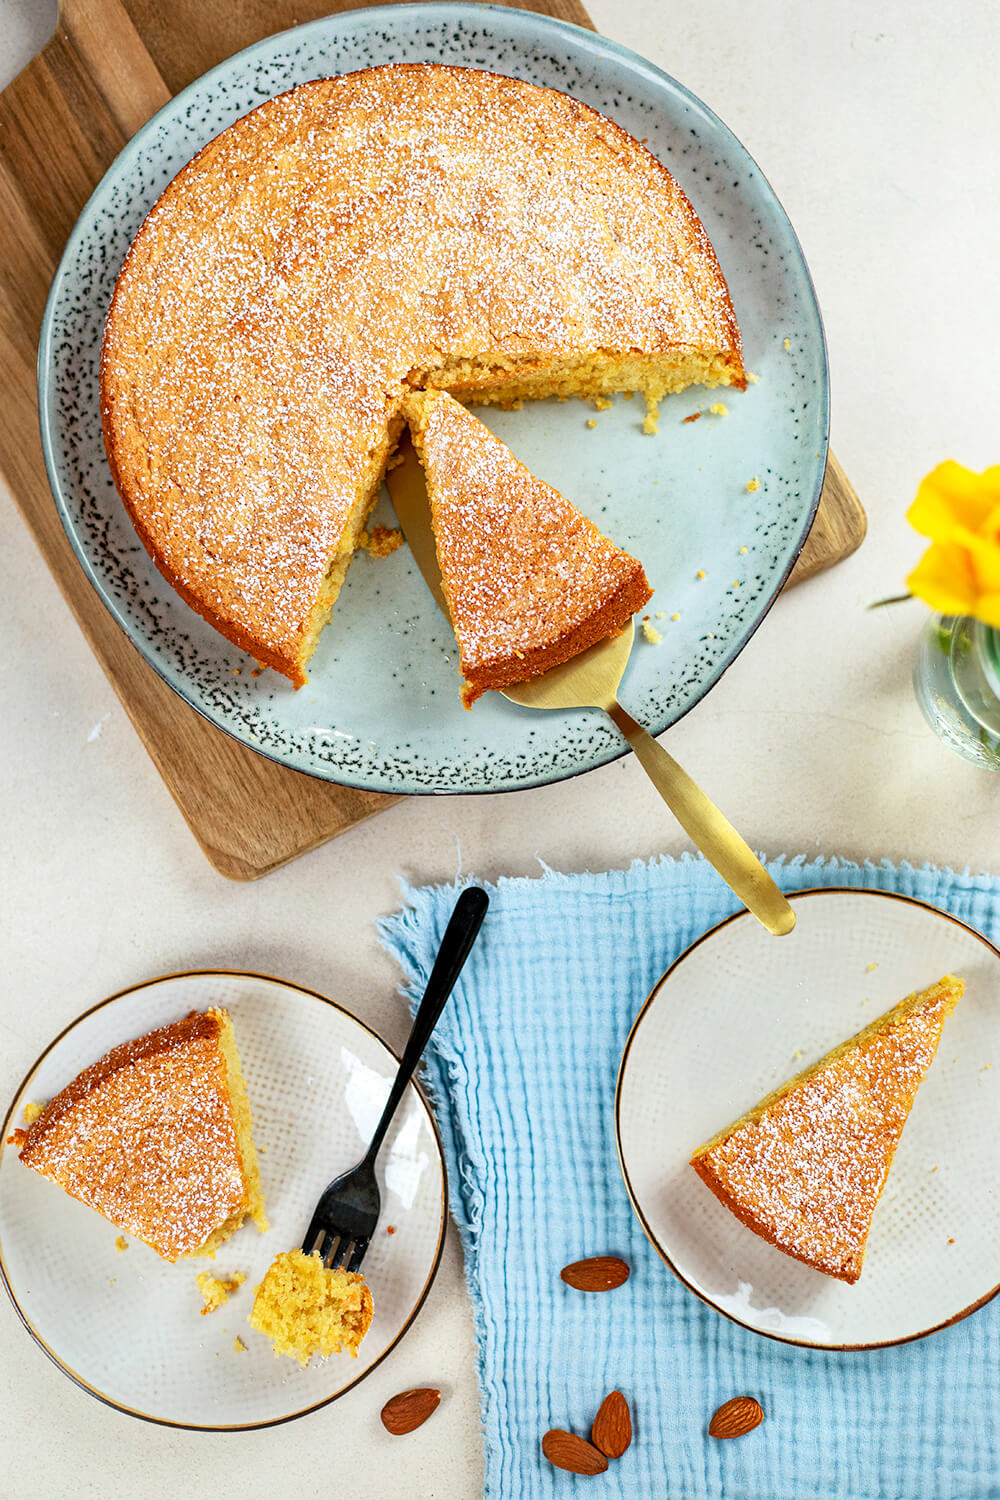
382 708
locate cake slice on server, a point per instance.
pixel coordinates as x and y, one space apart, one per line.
530 582
805 1168
157 1136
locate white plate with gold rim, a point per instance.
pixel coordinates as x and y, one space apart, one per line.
126 1326
741 1012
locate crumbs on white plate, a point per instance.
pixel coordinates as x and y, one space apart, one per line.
787 345
217 1290
238 1345
719 409
753 484
870 968
121 1243
650 633
601 403
752 379
591 422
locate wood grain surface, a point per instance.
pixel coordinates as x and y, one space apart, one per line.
63 120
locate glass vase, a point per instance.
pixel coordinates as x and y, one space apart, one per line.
956 678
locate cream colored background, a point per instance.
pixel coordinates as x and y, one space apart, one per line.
877 125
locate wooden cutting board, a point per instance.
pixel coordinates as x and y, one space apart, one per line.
108 67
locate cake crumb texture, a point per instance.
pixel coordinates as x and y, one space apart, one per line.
382 541
305 1309
216 1290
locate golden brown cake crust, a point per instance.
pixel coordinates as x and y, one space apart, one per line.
146 1137
530 581
341 243
805 1168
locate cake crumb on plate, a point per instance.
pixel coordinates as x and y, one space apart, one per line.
216 1290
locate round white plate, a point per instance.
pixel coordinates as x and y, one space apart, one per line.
382 708
127 1326
741 1012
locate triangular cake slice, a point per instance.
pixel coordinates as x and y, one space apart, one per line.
530 582
804 1169
157 1137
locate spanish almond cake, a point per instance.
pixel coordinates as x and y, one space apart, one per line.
306 1308
157 1137
529 581
805 1168
356 239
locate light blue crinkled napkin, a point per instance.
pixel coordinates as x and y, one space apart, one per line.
523 1068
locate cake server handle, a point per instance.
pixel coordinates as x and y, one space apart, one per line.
702 821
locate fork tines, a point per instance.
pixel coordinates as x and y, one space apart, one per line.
337 1250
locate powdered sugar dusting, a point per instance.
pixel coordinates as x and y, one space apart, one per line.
808 1170
522 567
146 1137
326 246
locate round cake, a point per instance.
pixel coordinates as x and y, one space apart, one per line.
350 241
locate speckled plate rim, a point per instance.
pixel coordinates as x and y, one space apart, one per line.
780 1338
462 10
81 1380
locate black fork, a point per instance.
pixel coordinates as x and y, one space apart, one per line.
346 1215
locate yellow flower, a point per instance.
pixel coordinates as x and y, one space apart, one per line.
959 510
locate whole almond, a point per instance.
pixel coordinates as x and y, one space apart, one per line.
602 1273
736 1418
567 1451
409 1410
612 1429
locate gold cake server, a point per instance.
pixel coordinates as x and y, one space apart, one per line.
591 680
